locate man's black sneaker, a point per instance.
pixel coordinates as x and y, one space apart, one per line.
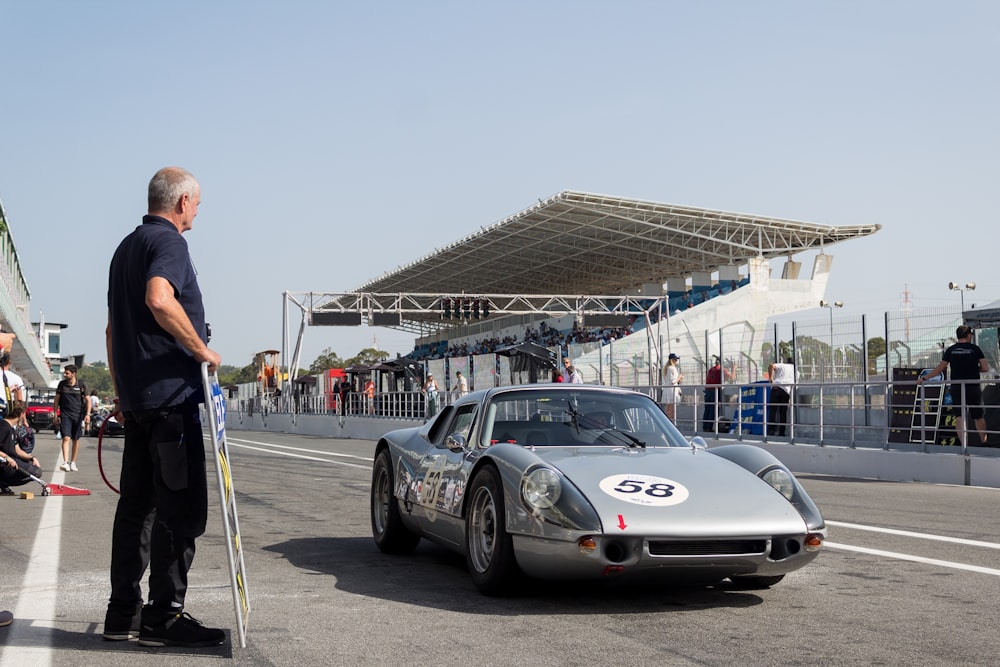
176 629
121 627
6 491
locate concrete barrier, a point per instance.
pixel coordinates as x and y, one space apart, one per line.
861 462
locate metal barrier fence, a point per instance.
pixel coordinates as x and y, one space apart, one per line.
833 349
876 414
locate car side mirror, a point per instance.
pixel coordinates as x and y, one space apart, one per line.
455 442
698 442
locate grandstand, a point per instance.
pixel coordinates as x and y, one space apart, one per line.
688 279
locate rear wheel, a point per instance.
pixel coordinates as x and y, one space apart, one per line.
756 583
489 548
391 536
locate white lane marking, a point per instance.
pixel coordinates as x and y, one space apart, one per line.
915 559
29 638
298 449
300 456
923 536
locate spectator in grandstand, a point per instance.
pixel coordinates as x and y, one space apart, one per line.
672 378
431 392
782 377
713 394
967 362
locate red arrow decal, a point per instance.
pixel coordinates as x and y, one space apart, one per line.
621 522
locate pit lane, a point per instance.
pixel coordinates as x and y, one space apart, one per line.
910 582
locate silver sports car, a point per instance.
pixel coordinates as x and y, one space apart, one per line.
583 482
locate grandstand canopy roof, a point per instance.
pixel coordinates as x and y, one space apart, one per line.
582 243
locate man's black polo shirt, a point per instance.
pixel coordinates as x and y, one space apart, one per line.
152 370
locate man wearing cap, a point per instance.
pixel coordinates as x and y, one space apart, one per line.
967 362
671 387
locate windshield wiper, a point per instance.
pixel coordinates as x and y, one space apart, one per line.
633 441
574 417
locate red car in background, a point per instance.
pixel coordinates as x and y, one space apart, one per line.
41 416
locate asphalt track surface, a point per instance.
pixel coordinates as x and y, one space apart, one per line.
909 577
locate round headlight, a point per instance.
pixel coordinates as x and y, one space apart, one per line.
781 480
541 488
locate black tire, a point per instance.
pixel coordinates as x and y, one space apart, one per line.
390 535
489 548
755 583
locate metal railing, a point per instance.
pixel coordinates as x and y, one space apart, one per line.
880 415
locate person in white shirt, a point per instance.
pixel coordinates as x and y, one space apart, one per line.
671 387
461 384
13 384
782 378
431 391
571 375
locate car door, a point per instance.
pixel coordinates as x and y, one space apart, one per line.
442 475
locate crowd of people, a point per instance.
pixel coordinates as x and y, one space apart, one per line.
544 335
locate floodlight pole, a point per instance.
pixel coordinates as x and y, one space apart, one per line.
830 307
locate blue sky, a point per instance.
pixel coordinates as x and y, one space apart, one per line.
335 141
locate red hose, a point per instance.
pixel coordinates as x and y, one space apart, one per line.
100 439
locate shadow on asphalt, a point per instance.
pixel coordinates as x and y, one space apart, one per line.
436 578
24 633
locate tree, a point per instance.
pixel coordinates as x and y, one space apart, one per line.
326 360
367 357
97 377
232 375
876 348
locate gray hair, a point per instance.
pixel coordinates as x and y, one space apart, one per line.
168 185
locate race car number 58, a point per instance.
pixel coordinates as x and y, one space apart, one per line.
644 489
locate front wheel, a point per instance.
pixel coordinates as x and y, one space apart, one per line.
391 536
490 550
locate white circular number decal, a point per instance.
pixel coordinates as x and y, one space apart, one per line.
644 489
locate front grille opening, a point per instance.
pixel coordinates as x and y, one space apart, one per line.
706 547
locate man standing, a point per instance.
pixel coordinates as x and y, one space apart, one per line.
72 412
12 382
782 378
570 374
713 394
967 362
461 385
157 340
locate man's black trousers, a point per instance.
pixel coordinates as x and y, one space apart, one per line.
163 507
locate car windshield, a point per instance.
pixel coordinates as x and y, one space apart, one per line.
577 418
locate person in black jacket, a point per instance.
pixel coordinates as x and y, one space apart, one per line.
967 361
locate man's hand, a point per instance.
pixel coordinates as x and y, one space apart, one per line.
212 357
